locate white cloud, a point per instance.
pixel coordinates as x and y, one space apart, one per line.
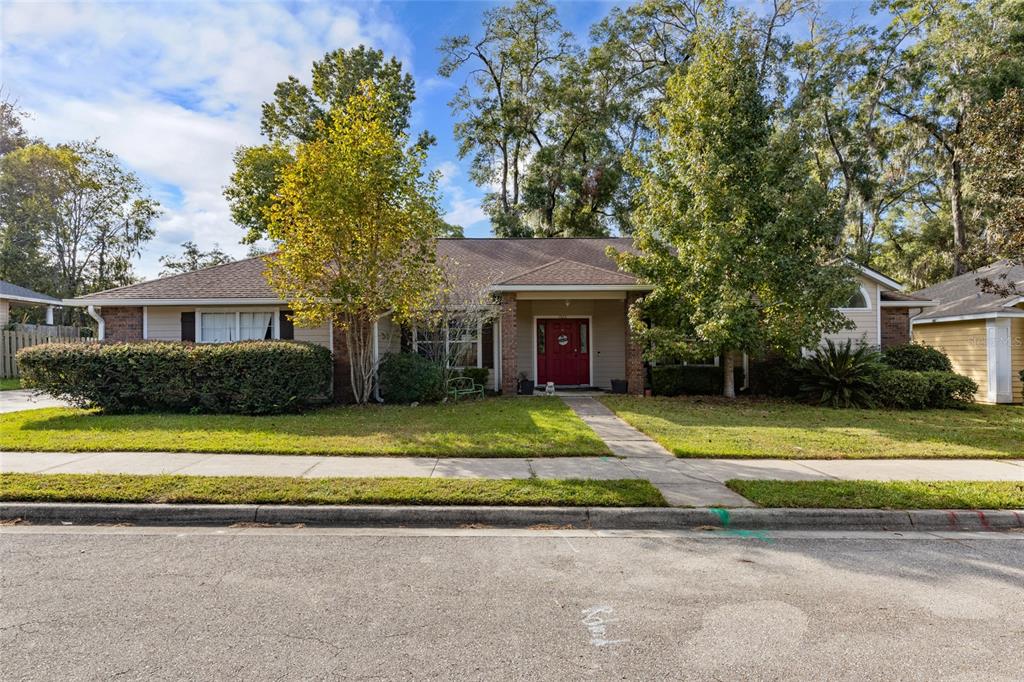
173 88
462 210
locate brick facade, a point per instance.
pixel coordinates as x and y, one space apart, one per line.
634 354
509 349
122 323
895 326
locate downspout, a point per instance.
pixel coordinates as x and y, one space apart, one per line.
101 325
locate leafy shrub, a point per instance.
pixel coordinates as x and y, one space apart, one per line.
902 389
777 377
916 357
840 376
672 380
249 377
479 375
409 378
949 390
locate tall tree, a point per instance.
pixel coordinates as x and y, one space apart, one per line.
355 219
299 113
736 234
935 61
192 258
91 216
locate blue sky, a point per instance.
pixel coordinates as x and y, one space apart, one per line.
173 87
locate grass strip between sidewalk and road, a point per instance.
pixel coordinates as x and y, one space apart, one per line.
533 492
494 427
769 429
883 494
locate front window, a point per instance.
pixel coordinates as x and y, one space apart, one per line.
225 327
456 343
217 327
859 301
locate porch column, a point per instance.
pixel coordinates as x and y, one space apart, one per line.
634 354
509 350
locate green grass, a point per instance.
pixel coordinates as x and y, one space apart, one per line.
10 384
883 495
710 427
495 427
269 490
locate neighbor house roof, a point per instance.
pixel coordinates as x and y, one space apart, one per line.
474 266
13 292
962 297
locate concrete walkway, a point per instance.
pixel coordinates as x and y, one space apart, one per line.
24 399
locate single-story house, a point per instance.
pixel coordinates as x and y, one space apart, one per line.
982 333
561 309
13 296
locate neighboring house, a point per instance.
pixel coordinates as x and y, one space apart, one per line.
983 334
13 296
560 317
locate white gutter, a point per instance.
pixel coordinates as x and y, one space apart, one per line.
171 301
975 316
908 304
561 287
102 326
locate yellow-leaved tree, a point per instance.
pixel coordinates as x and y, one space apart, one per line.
355 220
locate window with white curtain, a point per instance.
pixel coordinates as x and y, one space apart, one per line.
224 327
217 327
457 343
255 326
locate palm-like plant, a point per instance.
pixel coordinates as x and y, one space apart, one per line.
840 376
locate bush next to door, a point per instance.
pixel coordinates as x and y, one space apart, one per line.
409 378
249 377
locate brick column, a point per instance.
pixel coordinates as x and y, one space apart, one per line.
342 371
895 326
634 354
509 350
122 323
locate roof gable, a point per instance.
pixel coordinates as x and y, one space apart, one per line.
962 295
568 272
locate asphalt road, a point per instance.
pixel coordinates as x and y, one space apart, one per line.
259 604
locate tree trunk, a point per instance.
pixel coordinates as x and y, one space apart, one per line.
359 340
728 379
957 211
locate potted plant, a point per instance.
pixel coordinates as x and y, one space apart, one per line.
525 385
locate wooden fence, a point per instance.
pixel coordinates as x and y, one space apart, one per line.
13 341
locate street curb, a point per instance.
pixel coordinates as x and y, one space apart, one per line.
597 518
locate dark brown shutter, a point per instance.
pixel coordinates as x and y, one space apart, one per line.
487 341
287 327
188 326
405 340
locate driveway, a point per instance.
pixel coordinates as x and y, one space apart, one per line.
24 399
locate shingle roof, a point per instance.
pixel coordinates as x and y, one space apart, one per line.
239 279
899 296
8 290
473 265
962 295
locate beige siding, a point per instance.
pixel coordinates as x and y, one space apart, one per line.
1017 357
607 336
163 323
5 313
866 330
965 344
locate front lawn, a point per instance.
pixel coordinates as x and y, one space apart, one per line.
712 427
495 427
10 384
883 494
267 490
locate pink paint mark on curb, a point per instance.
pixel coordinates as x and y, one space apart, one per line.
954 521
984 521
1016 515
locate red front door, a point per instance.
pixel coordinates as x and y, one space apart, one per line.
563 352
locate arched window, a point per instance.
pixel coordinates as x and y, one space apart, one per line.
858 301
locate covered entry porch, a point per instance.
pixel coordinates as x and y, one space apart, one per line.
574 338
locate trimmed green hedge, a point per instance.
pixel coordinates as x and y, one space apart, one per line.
916 357
409 378
672 380
902 389
949 390
249 377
